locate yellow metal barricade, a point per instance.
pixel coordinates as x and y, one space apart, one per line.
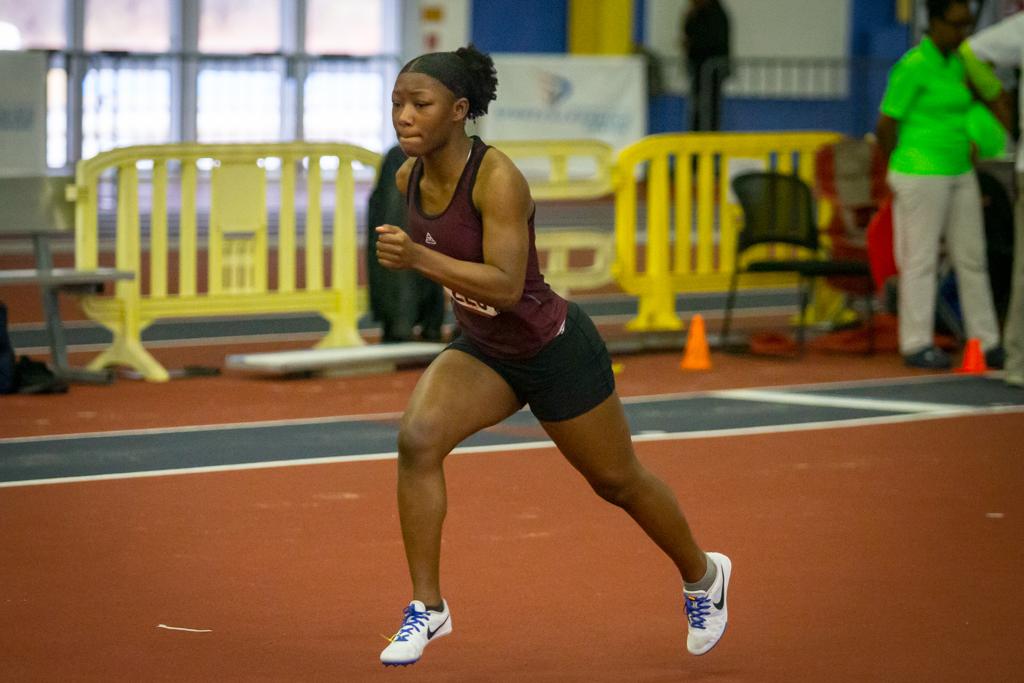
560 245
563 169
688 240
237 274
566 170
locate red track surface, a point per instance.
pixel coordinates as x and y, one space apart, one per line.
860 554
873 553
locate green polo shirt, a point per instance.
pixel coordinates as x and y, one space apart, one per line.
928 95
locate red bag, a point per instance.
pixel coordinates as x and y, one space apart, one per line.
881 255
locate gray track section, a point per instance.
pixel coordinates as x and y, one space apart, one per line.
967 390
183 449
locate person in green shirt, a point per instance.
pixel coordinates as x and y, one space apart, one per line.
923 128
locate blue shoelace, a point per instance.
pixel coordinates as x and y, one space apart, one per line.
697 608
412 623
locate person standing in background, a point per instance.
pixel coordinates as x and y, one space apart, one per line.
705 37
1003 44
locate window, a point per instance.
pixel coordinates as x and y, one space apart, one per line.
349 27
56 118
239 26
36 24
128 25
349 100
125 101
340 106
239 102
242 94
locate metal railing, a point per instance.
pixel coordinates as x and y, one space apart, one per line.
833 93
565 170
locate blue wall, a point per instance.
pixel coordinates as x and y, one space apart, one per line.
854 116
876 38
874 31
520 26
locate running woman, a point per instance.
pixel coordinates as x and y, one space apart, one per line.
470 228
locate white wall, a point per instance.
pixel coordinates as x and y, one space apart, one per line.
762 28
22 113
434 26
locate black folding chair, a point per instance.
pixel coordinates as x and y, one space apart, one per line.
779 209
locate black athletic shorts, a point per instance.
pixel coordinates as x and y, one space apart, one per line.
565 379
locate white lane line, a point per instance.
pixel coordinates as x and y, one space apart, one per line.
182 628
825 401
513 448
888 382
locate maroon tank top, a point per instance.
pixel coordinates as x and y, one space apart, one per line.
457 232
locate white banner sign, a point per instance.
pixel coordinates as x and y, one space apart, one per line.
22 113
555 97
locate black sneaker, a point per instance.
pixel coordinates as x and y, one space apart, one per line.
931 358
35 378
995 358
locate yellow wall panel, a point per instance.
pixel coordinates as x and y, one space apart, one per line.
601 27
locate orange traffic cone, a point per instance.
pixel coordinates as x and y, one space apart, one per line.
974 359
697 355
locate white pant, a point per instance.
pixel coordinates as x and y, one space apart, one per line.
927 208
1014 333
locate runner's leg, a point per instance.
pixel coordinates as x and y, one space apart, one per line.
598 444
456 397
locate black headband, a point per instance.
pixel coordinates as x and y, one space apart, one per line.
446 67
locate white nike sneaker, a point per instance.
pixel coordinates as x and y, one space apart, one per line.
706 611
419 627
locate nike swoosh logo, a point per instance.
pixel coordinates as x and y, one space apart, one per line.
721 603
431 632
